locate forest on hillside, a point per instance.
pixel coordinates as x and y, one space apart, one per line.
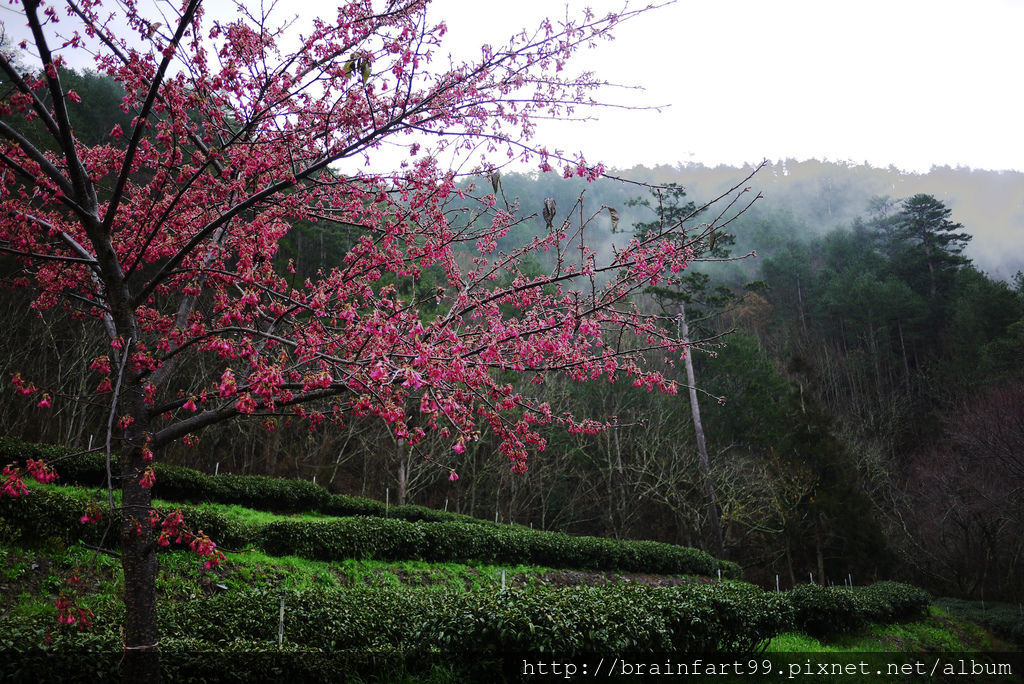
860 380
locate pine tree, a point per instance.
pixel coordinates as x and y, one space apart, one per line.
930 240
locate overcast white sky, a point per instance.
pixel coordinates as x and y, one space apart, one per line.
909 83
912 83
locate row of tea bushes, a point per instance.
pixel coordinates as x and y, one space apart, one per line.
395 622
57 512
380 538
455 541
48 513
821 611
722 617
175 483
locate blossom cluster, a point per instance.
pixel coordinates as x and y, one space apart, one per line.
216 168
172 529
69 612
14 484
93 514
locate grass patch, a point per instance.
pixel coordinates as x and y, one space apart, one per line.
258 570
33 577
82 493
939 631
243 514
796 642
233 511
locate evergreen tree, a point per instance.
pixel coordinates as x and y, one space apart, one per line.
930 240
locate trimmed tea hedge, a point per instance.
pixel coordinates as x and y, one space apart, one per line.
730 617
727 617
56 515
48 516
175 483
48 513
446 536
385 539
820 611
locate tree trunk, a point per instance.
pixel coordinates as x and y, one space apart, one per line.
903 348
403 474
932 286
705 463
138 551
789 564
620 474
800 304
818 549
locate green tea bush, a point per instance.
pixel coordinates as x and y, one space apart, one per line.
893 601
87 469
459 543
16 451
820 611
47 515
366 537
343 505
730 617
563 620
331 540
746 615
227 532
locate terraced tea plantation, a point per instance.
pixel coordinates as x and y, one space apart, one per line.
314 582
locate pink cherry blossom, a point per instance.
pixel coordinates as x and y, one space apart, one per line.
166 234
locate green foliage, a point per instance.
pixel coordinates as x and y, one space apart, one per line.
175 483
927 242
936 632
893 601
832 514
827 610
754 411
389 539
821 611
54 514
46 516
15 450
984 344
356 537
226 531
1005 620
91 119
732 617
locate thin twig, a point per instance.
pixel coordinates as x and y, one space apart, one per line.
109 552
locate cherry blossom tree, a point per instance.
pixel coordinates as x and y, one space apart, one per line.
166 233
